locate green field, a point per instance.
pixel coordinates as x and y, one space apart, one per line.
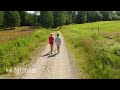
97 52
13 52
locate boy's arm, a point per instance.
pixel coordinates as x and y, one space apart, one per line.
55 40
60 41
49 39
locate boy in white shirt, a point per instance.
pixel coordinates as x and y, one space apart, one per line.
58 42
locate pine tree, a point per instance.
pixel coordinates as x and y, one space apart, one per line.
81 17
11 19
59 18
107 15
69 17
93 16
46 19
1 19
24 16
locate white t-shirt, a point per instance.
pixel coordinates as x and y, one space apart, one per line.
57 40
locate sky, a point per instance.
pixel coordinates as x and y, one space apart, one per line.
30 11
33 12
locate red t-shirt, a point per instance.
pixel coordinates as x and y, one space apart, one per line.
51 40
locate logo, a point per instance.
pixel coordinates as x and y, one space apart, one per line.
20 70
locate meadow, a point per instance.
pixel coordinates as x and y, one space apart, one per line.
7 35
96 47
20 48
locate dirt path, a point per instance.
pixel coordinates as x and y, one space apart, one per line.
54 66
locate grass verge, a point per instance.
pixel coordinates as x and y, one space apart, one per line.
20 49
96 55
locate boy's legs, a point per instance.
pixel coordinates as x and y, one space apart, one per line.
51 46
58 48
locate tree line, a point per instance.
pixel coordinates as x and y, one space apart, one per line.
53 19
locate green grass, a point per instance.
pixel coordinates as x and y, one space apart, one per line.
103 25
16 51
97 54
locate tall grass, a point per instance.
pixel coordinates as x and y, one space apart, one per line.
101 55
16 51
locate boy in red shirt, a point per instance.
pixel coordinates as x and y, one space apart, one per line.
51 42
